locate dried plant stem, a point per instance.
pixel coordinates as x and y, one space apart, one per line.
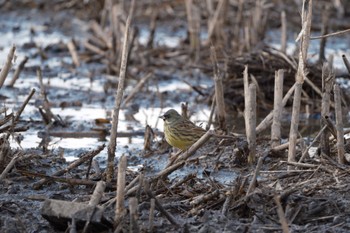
219 91
98 193
7 66
19 112
311 144
215 19
10 165
284 146
330 34
94 201
283 32
193 21
98 30
151 215
169 169
252 184
94 49
246 93
324 31
184 110
18 71
251 115
73 52
264 124
119 97
212 109
159 206
205 197
299 78
293 134
137 89
134 228
327 85
281 215
152 28
346 63
339 124
277 110
76 163
120 198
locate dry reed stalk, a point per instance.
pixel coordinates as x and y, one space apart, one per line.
324 31
10 165
152 27
204 197
327 85
251 114
346 62
300 77
94 201
217 19
94 49
169 169
151 215
210 6
159 206
18 71
283 32
281 214
83 158
252 184
184 110
247 40
120 197
313 86
134 228
100 33
96 41
136 89
45 109
73 52
19 112
266 122
293 134
7 66
339 124
219 91
193 21
330 34
212 110
98 193
258 22
246 93
148 138
277 110
115 13
119 97
306 151
237 27
284 146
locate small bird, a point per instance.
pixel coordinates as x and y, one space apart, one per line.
180 132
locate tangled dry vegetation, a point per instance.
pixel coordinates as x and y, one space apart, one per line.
269 186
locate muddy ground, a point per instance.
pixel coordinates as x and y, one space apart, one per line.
215 190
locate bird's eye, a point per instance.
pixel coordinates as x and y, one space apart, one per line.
166 116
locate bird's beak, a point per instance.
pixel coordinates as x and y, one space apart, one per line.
162 117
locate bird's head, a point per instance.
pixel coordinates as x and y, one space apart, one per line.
171 116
